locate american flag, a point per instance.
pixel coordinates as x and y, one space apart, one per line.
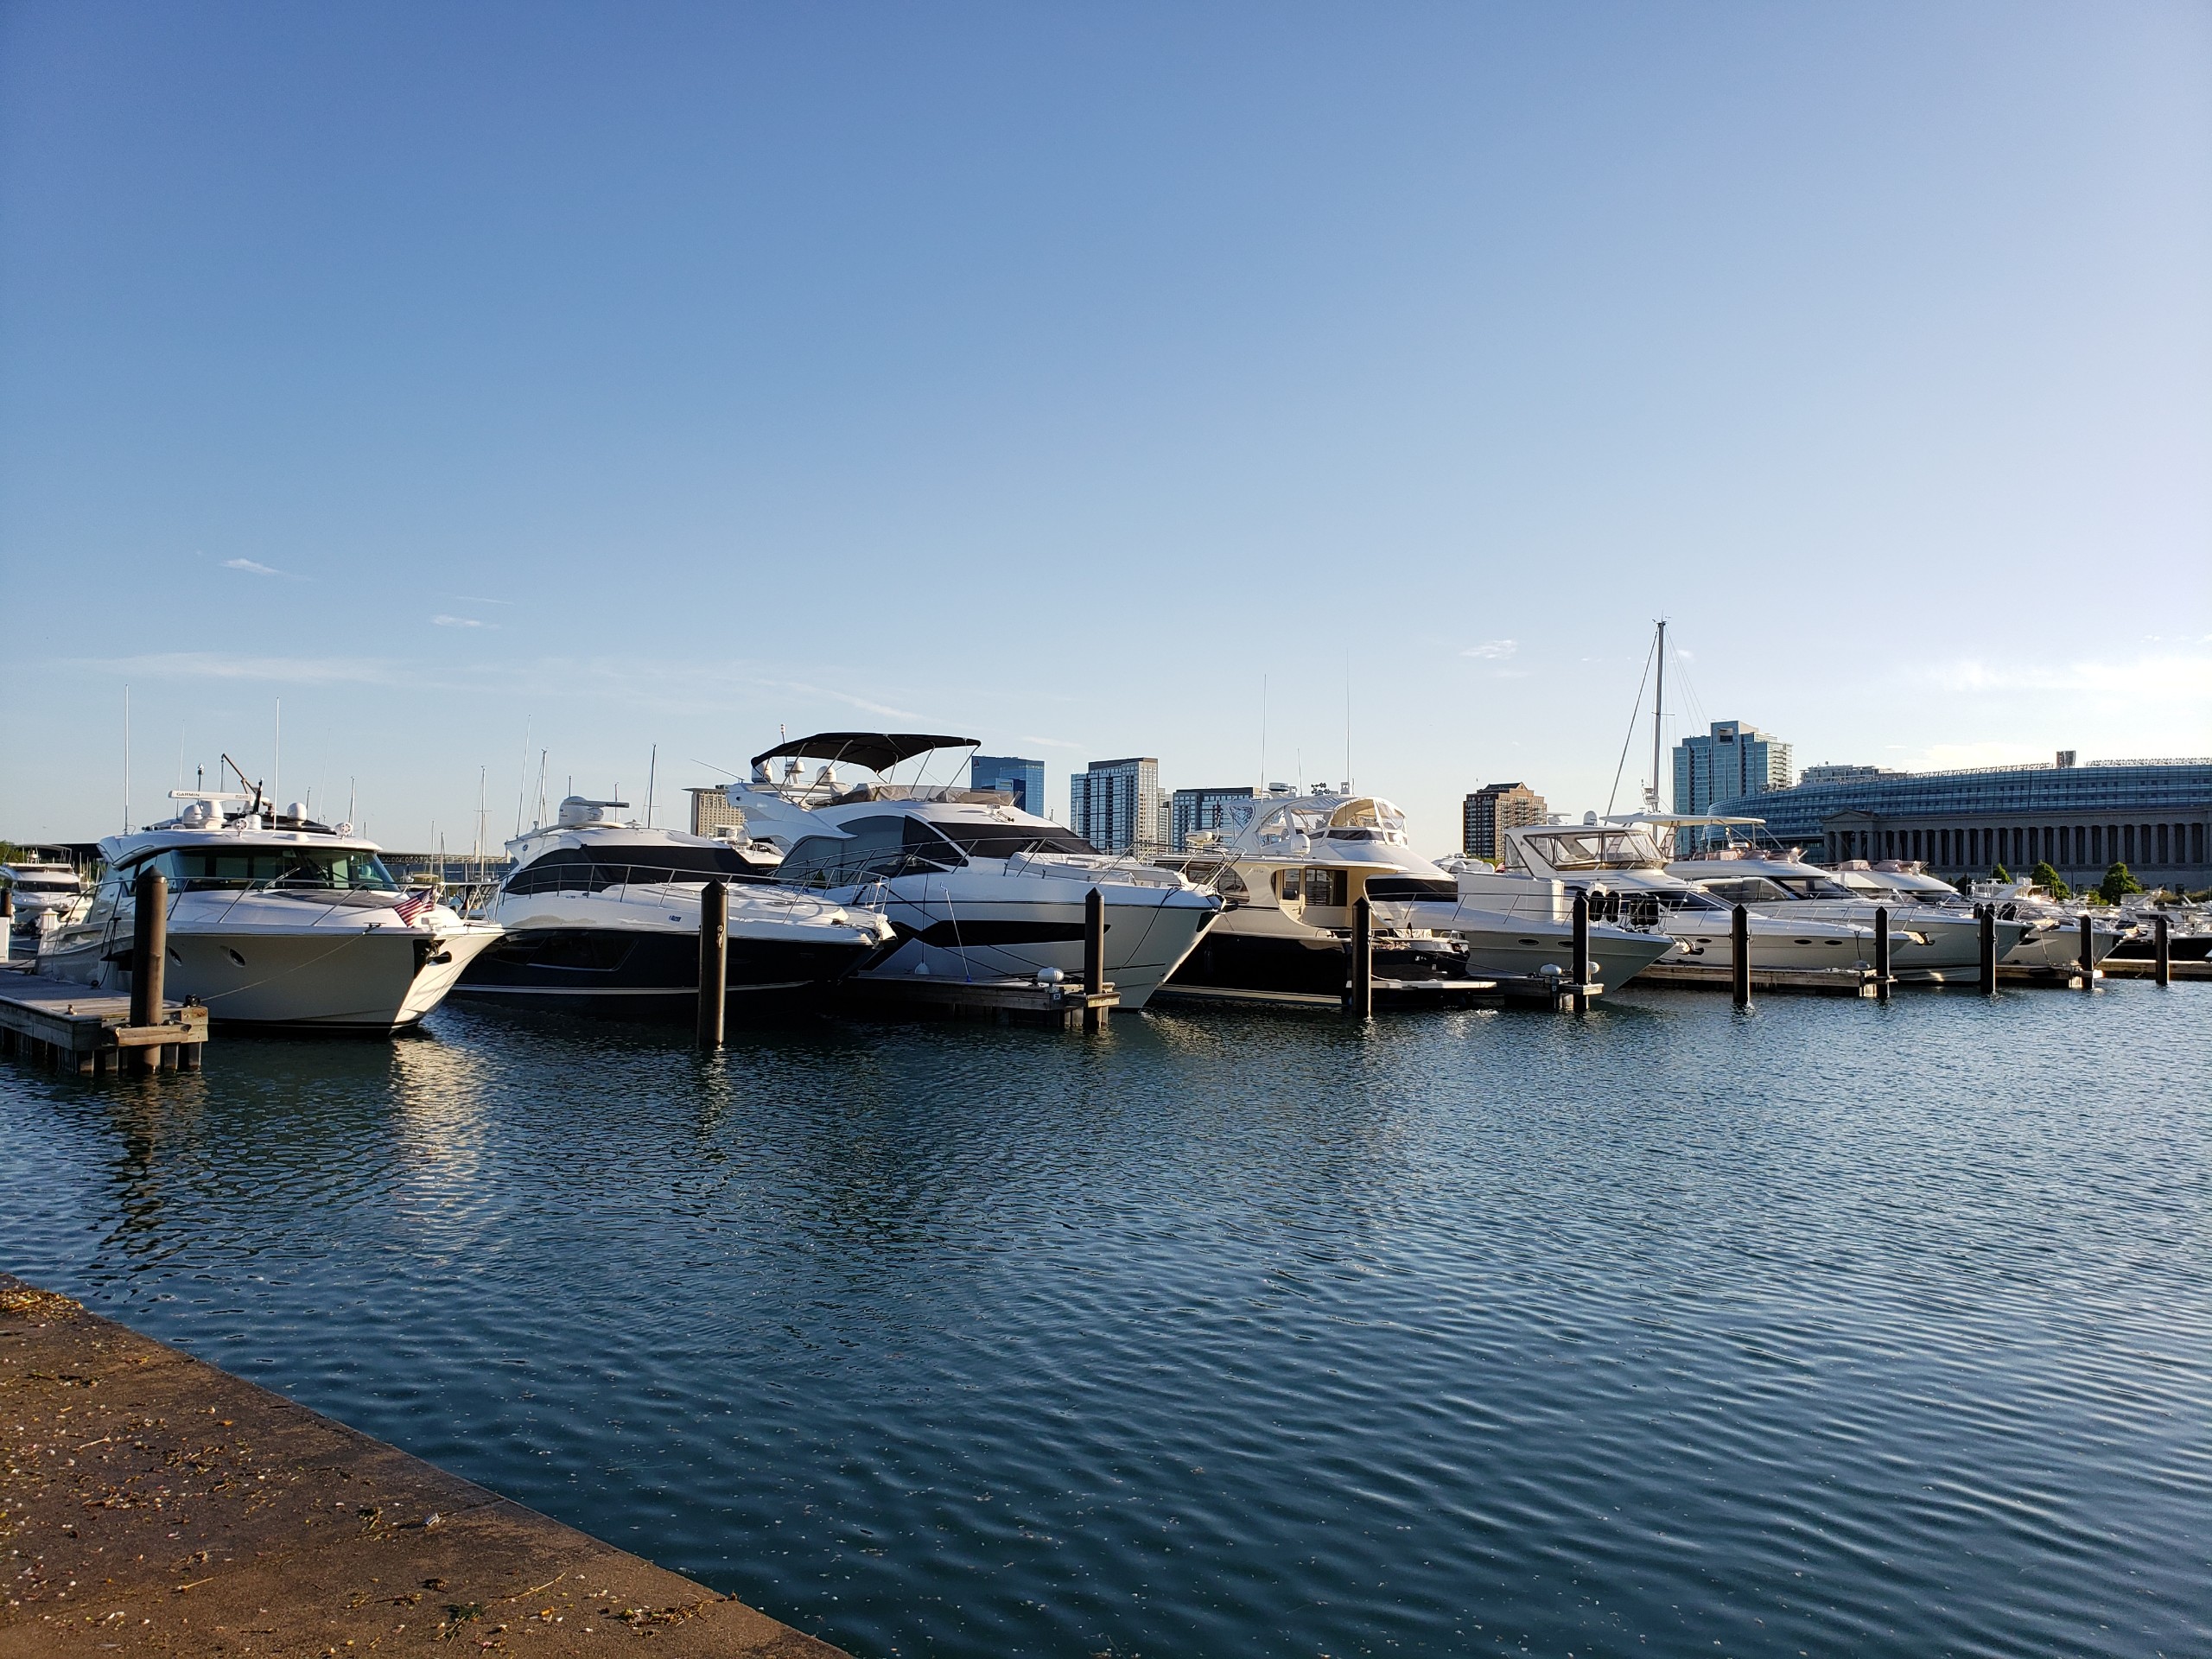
414 904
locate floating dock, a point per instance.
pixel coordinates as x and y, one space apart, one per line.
1548 990
1719 976
1001 1001
2144 968
74 1029
151 1502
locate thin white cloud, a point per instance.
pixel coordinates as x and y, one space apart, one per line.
1047 742
218 666
1492 649
479 599
860 703
2144 678
444 621
254 567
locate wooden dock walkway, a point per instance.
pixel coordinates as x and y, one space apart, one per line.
152 1503
77 1029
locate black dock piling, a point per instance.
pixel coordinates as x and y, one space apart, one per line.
1359 991
1989 950
1094 955
2162 954
1882 952
7 921
1739 956
1581 952
714 963
149 952
2088 954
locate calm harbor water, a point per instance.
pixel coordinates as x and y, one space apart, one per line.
1837 1328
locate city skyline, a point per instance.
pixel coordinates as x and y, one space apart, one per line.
523 380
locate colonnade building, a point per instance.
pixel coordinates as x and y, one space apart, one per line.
2152 815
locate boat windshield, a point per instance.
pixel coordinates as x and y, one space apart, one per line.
44 880
1595 847
867 850
1777 889
346 869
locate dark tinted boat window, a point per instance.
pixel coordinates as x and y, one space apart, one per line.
1007 840
571 870
1410 887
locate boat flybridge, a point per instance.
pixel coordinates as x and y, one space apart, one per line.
1621 865
601 916
1925 940
976 888
273 919
1292 868
2053 938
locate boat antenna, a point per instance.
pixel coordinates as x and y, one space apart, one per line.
522 783
652 773
126 760
1348 777
1629 737
353 792
1658 709
1263 733
277 771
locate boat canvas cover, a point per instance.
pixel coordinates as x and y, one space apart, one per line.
877 751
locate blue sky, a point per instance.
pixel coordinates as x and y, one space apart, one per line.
1055 376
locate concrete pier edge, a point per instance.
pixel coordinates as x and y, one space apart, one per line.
151 1502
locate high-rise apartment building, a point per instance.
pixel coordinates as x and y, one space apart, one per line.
1729 762
1487 814
1023 779
711 811
1192 810
1115 805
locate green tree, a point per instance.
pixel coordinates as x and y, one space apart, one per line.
2119 882
2050 881
2001 874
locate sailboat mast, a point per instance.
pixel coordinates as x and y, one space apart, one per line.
1658 706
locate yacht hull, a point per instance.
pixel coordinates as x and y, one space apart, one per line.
373 981
1314 965
1774 945
947 932
641 974
1502 943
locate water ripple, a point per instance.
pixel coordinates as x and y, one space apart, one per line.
1842 1327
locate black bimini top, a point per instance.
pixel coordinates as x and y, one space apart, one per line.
877 751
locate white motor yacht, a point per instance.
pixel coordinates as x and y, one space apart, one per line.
1622 864
976 888
1292 868
273 919
1924 941
600 915
43 888
2053 933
